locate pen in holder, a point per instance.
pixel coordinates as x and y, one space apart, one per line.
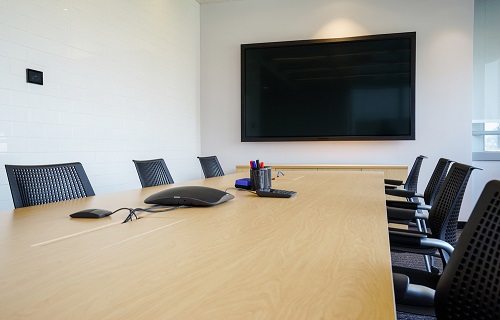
261 178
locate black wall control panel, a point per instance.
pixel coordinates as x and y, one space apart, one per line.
34 76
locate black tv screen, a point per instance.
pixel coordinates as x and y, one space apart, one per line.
359 88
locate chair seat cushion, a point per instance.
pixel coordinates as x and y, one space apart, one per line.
420 277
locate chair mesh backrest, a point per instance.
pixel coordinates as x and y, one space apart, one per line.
153 172
436 180
411 182
34 185
443 217
469 287
211 167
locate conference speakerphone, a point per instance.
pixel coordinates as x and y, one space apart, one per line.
193 196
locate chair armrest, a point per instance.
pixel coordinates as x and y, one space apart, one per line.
411 294
425 207
416 239
437 244
400 193
419 295
393 182
409 233
400 221
406 237
400 214
401 283
402 204
413 232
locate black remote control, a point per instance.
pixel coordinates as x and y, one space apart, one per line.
276 193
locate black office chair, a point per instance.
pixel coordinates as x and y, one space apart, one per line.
469 287
211 166
431 190
153 172
442 219
412 202
40 184
411 181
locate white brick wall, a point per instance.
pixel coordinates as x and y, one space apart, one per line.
121 82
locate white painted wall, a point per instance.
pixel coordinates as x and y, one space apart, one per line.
121 83
443 81
491 171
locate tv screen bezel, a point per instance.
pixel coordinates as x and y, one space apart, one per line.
403 35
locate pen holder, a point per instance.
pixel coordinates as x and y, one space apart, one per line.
261 178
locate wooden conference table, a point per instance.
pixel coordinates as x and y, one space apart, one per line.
321 255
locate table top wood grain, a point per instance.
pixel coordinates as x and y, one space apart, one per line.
323 254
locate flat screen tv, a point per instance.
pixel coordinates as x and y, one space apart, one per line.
359 88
